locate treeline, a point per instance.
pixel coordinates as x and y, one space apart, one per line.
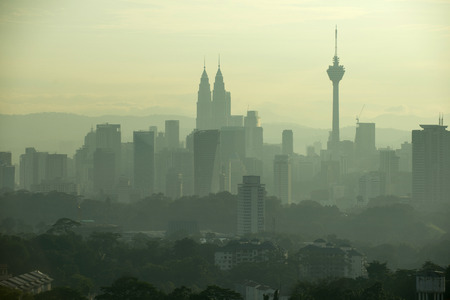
94 266
395 233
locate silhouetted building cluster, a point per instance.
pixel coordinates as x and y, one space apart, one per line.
227 153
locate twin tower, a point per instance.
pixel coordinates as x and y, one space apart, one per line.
213 114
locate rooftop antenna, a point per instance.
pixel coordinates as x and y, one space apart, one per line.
441 119
335 41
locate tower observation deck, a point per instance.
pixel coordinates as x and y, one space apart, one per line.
335 73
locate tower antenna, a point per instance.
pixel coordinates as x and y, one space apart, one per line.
219 61
204 62
335 41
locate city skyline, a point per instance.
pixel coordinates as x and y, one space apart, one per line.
143 58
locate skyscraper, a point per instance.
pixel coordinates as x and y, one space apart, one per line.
144 162
108 137
287 144
335 73
282 175
431 165
221 103
172 134
253 135
7 171
206 162
204 105
251 206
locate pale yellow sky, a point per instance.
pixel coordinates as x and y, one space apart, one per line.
138 57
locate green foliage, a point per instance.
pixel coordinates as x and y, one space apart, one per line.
59 293
129 288
7 293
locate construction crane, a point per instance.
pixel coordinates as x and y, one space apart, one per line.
359 115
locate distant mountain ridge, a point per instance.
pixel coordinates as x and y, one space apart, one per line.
65 132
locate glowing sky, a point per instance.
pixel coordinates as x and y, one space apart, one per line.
137 57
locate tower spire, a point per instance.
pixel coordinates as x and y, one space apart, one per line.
204 62
335 41
219 61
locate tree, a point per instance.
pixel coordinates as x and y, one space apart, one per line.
58 293
130 288
63 226
378 271
214 292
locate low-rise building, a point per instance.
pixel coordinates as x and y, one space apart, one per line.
33 282
243 251
320 260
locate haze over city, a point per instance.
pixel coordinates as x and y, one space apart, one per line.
145 57
238 150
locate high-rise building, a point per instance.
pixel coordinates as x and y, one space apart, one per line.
253 135
251 206
144 162
431 165
56 168
232 152
335 73
32 168
364 140
287 144
104 171
206 162
221 103
389 166
204 105
282 175
172 134
7 171
108 137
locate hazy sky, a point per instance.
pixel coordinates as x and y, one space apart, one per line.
98 57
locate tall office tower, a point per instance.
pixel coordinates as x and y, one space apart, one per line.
431 164
365 139
335 73
160 142
232 152
108 136
206 162
56 168
32 168
253 135
371 185
389 166
282 178
172 134
236 121
287 144
127 162
104 171
405 155
7 171
144 162
221 103
174 184
251 206
204 104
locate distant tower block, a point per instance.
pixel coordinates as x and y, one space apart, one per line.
335 73
172 134
287 142
251 206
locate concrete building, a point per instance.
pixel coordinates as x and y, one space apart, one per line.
282 176
34 282
108 137
431 165
253 135
206 162
287 144
104 172
237 252
251 206
320 260
430 285
7 171
144 162
172 133
32 168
